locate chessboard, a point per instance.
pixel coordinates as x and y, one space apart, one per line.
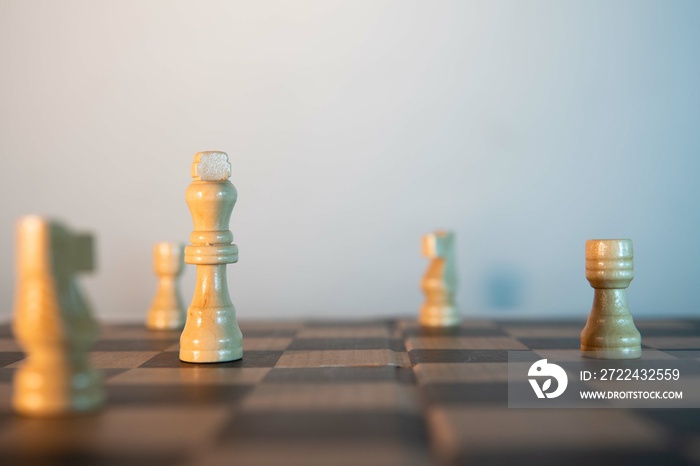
383 392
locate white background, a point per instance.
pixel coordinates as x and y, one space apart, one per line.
353 129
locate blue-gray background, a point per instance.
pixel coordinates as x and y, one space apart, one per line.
354 128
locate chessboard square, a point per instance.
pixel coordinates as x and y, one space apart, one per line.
309 452
10 345
162 428
673 343
322 427
541 323
175 394
119 359
171 359
339 375
459 429
323 344
350 323
573 456
269 333
478 372
261 328
132 345
137 332
479 394
545 331
370 357
485 331
411 325
363 396
10 358
666 328
135 434
108 456
551 343
682 354
683 422
464 343
419 356
345 332
200 374
266 343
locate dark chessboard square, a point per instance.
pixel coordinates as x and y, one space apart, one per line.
315 375
323 426
684 354
109 373
578 457
455 332
269 333
171 359
85 457
495 393
172 394
536 323
421 356
551 343
679 421
667 332
10 357
323 344
133 345
332 323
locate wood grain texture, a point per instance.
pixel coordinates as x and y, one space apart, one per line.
610 332
211 333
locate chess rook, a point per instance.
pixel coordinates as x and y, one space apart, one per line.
439 282
211 332
610 332
167 311
53 323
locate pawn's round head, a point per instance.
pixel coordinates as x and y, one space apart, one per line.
609 263
168 258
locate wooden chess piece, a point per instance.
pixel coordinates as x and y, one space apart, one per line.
167 311
439 282
610 332
211 332
53 323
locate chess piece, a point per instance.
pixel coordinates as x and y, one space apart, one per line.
610 332
440 281
167 311
53 323
211 332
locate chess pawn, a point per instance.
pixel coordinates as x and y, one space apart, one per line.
610 332
52 322
439 282
167 311
211 332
